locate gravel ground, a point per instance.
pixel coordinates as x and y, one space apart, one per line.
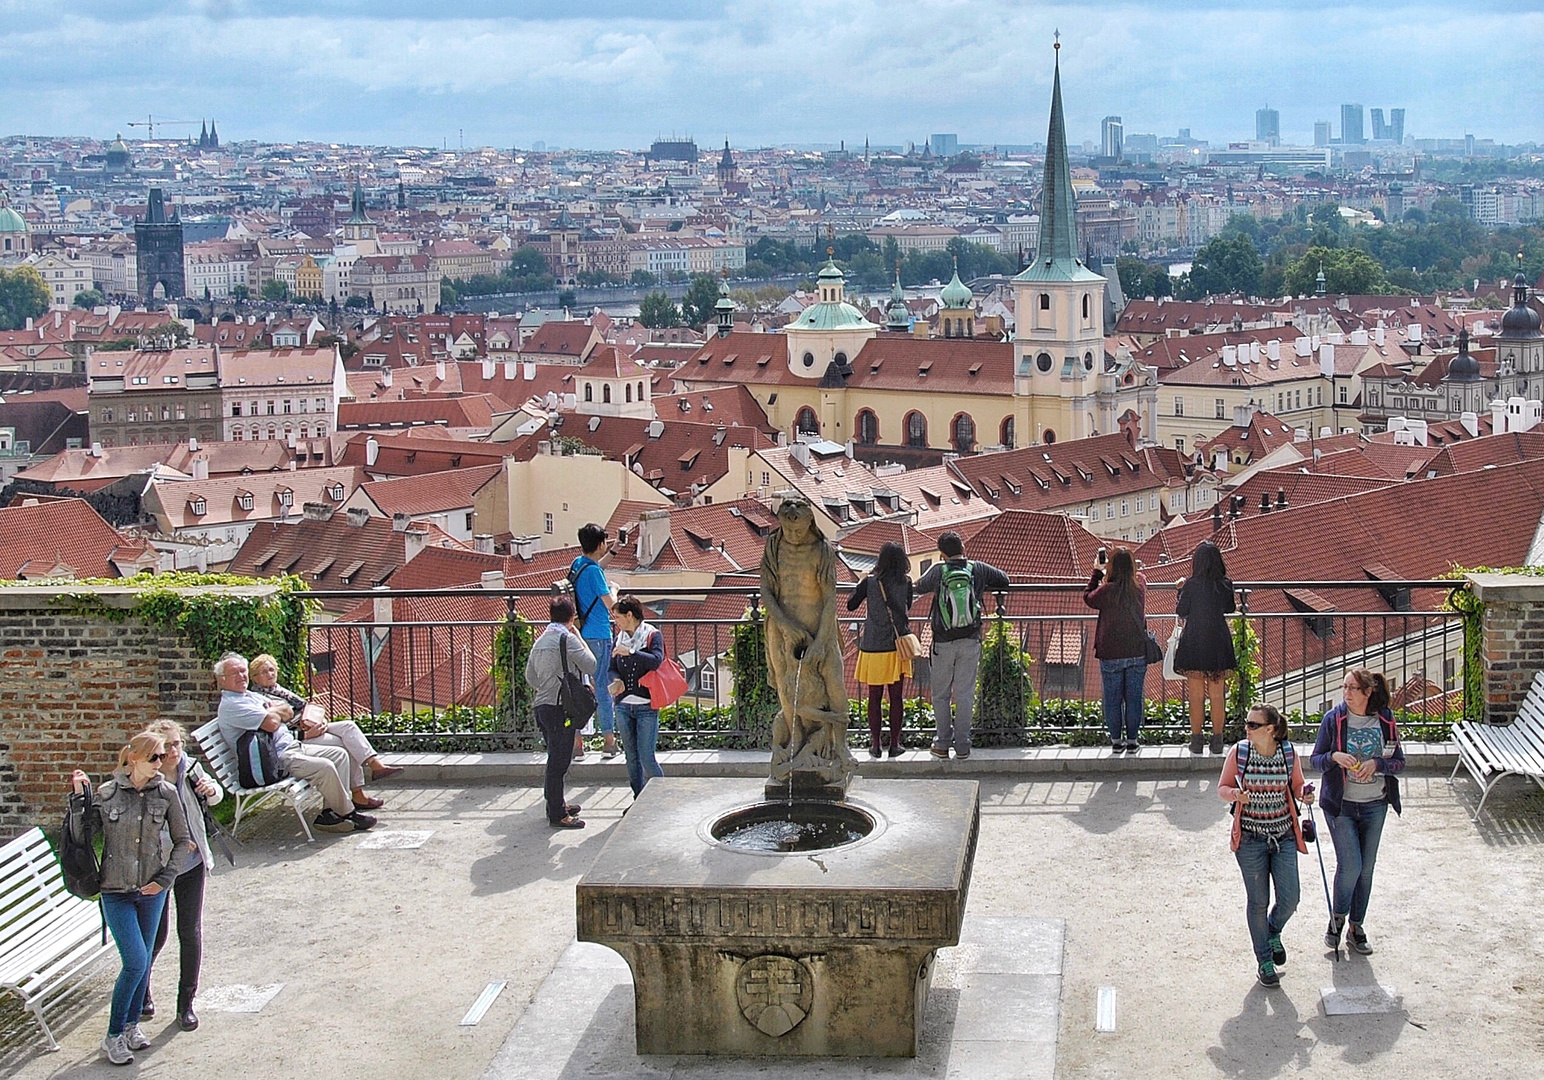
381 952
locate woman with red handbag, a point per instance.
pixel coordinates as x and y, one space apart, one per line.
639 649
887 647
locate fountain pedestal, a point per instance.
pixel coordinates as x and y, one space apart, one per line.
817 953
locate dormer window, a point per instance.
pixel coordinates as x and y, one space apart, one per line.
197 506
244 500
286 497
335 492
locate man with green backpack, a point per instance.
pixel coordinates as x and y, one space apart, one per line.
957 585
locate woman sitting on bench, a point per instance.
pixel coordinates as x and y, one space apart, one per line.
311 728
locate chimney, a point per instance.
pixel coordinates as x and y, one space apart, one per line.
382 613
1216 516
1236 507
488 368
290 440
357 516
1471 423
372 450
491 579
509 371
1281 498
1273 350
413 541
400 522
1300 435
1498 417
201 468
529 371
525 547
316 511
1418 431
800 452
654 534
192 446
1302 347
1358 337
1265 502
1327 360
482 543
386 377
96 449
439 370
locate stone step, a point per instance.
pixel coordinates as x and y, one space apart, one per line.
465 768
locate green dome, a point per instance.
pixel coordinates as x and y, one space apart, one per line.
831 272
828 316
11 221
955 294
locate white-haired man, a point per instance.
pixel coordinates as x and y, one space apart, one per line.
324 767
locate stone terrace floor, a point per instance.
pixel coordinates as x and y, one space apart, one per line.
382 951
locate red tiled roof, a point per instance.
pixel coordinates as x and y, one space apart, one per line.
868 539
429 493
67 535
1059 475
464 411
406 455
732 405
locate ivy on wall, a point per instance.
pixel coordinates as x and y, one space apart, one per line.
1472 611
511 646
212 619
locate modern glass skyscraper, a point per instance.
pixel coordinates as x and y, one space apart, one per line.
1111 136
1267 125
1351 125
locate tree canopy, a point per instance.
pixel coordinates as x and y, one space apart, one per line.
23 296
657 311
698 303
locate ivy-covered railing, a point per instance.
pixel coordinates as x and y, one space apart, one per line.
458 684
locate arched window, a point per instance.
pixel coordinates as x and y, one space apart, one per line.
589 392
605 393
1005 432
629 394
916 430
1045 301
840 359
807 423
964 433
868 428
1043 361
1048 436
640 391
809 359
1088 307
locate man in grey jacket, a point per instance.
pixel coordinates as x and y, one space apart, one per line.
544 674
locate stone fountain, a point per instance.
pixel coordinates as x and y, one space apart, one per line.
798 916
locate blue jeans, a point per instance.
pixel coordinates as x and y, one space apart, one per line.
639 727
1123 681
1262 867
1356 831
605 721
133 919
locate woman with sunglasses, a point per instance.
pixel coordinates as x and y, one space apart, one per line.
196 789
129 812
1263 778
1361 758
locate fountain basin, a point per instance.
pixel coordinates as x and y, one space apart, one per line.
792 828
825 952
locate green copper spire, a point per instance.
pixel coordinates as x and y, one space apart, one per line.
1057 259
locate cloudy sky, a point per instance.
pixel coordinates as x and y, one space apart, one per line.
616 73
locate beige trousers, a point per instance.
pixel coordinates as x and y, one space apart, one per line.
346 733
324 768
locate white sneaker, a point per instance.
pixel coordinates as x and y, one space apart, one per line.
116 1048
135 1038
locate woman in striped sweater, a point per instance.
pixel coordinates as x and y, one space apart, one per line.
1263 778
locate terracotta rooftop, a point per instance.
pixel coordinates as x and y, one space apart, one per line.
67 538
429 493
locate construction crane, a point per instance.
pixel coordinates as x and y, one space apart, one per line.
150 123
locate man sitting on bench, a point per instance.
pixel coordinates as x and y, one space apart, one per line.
242 710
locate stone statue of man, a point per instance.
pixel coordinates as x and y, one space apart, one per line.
804 656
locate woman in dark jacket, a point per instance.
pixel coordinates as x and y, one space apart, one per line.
1205 651
1120 644
1361 758
639 648
887 590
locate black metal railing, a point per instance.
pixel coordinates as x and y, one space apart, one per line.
417 667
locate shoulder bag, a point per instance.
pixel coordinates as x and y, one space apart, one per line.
577 699
907 646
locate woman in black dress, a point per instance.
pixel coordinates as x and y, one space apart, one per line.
1205 651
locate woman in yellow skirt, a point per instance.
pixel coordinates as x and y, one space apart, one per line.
881 667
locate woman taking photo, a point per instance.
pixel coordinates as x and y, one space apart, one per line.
129 811
887 590
1120 643
639 649
1205 651
1263 778
195 790
1359 753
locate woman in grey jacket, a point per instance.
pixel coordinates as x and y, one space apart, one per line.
195 789
130 810
544 674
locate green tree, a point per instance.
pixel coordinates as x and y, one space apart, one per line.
567 299
701 296
241 292
1140 279
357 303
642 279
657 311
23 296
88 299
1228 263
1346 270
275 290
448 294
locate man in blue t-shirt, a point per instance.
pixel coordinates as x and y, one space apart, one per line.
592 602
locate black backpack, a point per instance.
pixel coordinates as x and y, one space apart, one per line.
77 848
577 699
257 765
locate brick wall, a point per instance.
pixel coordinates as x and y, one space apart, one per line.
1514 639
73 688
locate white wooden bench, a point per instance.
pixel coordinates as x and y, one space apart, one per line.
221 757
1493 751
49 939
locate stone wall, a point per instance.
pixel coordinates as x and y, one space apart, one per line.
1514 639
73 687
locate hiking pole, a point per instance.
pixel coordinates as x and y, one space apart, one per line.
1324 877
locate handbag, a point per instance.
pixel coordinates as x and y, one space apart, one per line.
577 699
666 684
907 646
1169 671
1153 651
